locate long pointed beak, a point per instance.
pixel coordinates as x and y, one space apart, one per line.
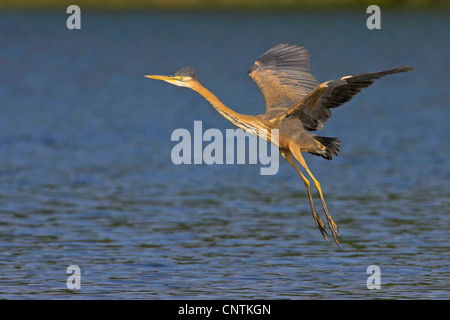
165 78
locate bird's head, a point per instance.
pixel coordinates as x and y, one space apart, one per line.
182 78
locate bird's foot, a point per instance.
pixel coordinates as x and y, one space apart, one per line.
320 224
334 228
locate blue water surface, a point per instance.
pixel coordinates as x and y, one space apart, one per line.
86 176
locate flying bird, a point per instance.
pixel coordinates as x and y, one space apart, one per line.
296 104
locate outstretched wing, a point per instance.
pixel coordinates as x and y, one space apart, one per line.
314 109
283 75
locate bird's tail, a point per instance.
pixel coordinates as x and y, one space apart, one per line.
331 145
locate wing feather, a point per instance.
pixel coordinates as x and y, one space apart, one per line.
283 75
314 109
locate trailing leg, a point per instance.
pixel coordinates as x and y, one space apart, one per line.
333 227
320 225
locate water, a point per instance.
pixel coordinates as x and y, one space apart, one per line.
86 177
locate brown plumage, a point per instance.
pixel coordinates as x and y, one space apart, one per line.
283 75
295 104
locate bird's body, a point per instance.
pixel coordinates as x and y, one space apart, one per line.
296 104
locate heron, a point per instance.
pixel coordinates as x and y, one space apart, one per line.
296 105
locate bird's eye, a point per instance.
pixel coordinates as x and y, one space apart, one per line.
180 78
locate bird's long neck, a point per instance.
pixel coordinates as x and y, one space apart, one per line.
245 122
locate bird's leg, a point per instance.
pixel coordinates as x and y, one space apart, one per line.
334 228
288 156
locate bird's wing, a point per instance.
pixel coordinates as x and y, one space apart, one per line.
283 75
314 109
